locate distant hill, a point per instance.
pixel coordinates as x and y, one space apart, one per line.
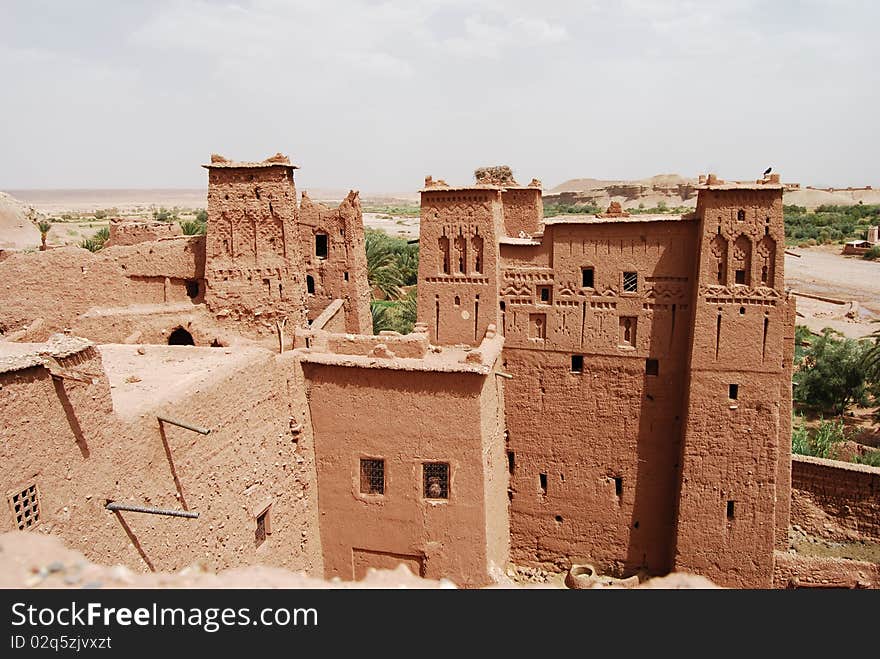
676 190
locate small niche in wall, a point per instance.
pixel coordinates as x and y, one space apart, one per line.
345 275
577 363
733 391
511 462
542 483
618 486
730 509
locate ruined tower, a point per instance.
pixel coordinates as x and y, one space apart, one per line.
253 266
735 472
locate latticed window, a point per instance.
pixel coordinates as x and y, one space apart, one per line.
630 282
436 480
372 476
25 507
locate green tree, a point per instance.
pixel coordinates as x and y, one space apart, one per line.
382 272
193 227
96 242
44 226
833 373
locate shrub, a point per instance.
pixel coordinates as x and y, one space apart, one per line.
833 374
821 443
96 242
872 254
870 458
193 227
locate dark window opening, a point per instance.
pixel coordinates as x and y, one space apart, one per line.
730 509
740 215
742 311
542 481
310 285
216 343
457 301
618 486
502 305
192 288
652 367
577 363
766 231
436 480
764 274
636 524
558 519
372 476
262 527
733 391
587 277
25 507
544 294
740 277
180 337
345 275
321 245
630 282
511 462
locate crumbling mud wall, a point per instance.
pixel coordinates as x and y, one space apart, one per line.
835 500
792 571
253 263
45 292
130 232
64 440
332 245
436 415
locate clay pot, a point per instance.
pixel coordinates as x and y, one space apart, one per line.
580 577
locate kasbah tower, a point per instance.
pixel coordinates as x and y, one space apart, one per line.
647 416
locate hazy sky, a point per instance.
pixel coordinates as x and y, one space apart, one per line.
375 95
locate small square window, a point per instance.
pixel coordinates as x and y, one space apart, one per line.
372 476
733 391
587 277
740 215
630 282
436 480
545 294
577 363
321 246
652 367
740 277
263 527
25 507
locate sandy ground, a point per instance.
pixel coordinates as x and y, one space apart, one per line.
140 382
824 271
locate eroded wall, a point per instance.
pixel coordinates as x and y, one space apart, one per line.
332 245
835 500
65 439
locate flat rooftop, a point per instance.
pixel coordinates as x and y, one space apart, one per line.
448 359
139 383
638 217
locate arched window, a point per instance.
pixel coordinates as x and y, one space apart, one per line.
477 244
444 255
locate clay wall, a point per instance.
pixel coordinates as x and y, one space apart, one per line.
459 263
523 210
253 260
332 245
65 439
447 538
124 232
47 291
594 445
792 571
728 521
832 499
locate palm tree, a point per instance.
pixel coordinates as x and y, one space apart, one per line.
44 226
382 271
